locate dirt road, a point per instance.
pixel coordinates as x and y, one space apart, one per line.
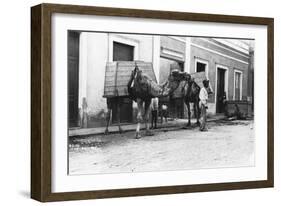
226 144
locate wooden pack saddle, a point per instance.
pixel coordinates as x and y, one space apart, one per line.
118 73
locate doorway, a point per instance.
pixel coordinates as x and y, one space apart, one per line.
73 77
221 89
176 104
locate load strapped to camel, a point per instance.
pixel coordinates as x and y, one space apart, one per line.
117 76
198 77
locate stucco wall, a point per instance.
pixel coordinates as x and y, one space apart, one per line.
96 50
96 62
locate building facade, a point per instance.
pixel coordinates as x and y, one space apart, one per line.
228 65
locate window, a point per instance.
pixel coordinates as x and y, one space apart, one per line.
200 67
237 85
122 52
125 43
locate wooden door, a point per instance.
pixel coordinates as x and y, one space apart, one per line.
73 78
220 90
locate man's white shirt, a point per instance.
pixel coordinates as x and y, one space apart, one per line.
203 96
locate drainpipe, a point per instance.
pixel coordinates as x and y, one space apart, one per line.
250 89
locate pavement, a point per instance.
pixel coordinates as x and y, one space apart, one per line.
172 123
227 144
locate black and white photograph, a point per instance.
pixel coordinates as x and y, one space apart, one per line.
149 102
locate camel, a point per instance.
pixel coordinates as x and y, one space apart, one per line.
190 91
142 89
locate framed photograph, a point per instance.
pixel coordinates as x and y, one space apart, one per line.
129 102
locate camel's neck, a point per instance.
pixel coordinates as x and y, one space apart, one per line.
173 86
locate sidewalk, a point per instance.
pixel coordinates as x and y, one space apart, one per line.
132 127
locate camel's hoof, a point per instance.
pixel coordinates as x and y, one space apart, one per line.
188 124
198 123
120 131
149 133
106 132
138 136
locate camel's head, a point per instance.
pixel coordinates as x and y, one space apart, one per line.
174 80
138 78
134 72
137 73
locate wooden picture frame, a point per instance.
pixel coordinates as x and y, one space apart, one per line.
41 97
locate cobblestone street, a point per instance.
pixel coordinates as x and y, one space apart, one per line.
226 144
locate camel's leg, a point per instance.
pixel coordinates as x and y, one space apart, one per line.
146 117
196 105
108 117
118 114
188 113
195 108
139 118
161 113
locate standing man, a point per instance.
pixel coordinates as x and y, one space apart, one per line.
154 112
203 96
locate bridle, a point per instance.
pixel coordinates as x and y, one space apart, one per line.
135 73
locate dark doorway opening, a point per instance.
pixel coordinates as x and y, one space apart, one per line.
176 101
73 77
126 110
220 90
123 52
176 104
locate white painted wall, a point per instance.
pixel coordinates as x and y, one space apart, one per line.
15 104
83 67
96 49
187 54
156 56
97 55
